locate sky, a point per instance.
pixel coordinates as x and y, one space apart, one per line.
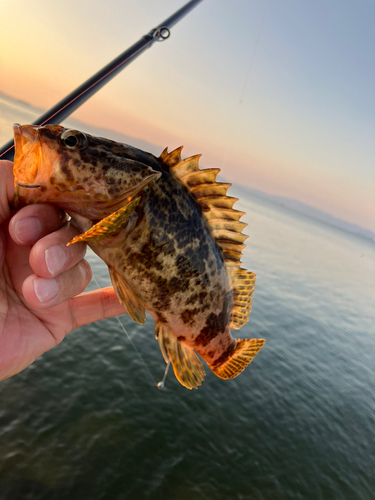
278 94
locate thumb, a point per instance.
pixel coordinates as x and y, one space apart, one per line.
6 188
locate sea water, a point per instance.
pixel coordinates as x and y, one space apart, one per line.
87 421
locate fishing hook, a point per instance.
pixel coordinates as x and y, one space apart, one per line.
161 384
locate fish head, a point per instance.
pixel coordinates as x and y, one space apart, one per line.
80 173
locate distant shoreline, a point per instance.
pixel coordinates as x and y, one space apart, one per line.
294 205
314 213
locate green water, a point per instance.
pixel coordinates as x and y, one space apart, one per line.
87 421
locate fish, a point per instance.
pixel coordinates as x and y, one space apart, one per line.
165 228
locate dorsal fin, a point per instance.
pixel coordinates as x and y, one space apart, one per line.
195 178
230 225
210 189
233 237
186 166
224 222
242 283
223 213
171 158
218 201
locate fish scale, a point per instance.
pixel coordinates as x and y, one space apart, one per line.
167 232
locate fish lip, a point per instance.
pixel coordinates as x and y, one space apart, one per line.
23 134
26 139
17 140
27 185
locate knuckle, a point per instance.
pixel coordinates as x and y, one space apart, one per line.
86 271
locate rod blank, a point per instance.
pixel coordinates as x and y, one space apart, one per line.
81 94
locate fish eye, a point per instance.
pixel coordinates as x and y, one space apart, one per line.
73 139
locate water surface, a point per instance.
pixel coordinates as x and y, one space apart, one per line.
86 420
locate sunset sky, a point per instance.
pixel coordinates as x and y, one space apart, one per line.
278 94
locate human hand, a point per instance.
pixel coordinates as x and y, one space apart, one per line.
41 281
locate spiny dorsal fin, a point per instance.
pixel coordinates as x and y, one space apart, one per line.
186 167
210 189
229 245
224 222
212 196
171 158
229 236
195 178
230 225
217 202
231 251
223 213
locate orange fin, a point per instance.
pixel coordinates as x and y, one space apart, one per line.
224 223
223 220
109 226
172 158
187 367
242 283
245 351
134 306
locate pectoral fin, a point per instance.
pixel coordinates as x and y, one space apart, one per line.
110 226
134 306
187 366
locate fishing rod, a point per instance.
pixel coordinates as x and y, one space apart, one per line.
81 94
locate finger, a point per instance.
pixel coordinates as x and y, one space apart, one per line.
6 188
50 256
41 293
94 306
2 248
35 221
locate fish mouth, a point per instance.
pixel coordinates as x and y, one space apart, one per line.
27 158
27 185
37 160
27 154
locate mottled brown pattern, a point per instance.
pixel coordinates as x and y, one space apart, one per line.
166 254
226 354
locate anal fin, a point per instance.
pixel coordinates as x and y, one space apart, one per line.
187 367
244 352
134 306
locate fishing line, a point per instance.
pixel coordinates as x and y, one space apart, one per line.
72 101
254 53
130 340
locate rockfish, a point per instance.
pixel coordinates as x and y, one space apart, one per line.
167 232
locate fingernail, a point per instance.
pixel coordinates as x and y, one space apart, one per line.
56 259
27 230
45 289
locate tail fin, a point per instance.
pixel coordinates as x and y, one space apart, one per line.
245 351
